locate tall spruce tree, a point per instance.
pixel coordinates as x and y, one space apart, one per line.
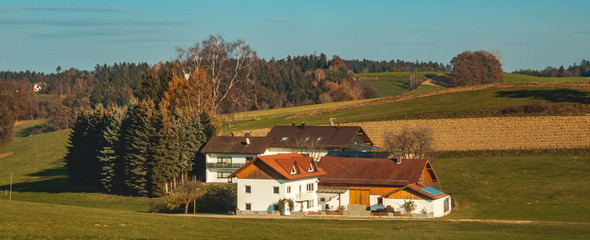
190 138
77 149
162 168
109 154
137 142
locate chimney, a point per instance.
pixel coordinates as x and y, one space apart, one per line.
247 141
247 134
302 125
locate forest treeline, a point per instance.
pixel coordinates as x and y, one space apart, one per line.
576 70
240 82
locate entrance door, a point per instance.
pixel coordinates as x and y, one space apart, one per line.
359 196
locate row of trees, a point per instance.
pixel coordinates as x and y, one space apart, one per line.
146 148
581 70
371 66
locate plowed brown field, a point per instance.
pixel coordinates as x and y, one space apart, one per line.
493 133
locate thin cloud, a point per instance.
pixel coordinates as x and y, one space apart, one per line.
64 8
89 22
417 42
282 20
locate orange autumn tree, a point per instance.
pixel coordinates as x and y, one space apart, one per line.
192 94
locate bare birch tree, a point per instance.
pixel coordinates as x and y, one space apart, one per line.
228 65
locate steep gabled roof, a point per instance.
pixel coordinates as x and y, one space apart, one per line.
327 136
283 163
373 171
244 145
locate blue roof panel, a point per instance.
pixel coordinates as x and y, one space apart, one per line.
432 190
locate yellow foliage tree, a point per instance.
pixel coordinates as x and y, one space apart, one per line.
192 94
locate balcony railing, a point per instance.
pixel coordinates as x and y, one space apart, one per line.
304 196
225 165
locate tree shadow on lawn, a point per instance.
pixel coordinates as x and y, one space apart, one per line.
54 180
557 95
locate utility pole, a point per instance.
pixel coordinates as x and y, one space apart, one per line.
10 196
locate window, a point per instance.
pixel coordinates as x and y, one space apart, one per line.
222 174
289 189
310 187
310 169
248 189
248 206
310 203
284 138
275 190
223 159
322 199
293 170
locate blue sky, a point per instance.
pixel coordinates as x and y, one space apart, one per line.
41 35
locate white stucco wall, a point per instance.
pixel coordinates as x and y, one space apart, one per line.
262 197
211 174
430 206
334 200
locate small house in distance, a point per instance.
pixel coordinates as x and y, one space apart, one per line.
263 181
381 181
225 154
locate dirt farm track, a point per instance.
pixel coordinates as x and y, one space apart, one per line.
493 133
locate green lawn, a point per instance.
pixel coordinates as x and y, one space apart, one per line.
549 186
513 77
36 220
393 83
524 186
39 175
445 105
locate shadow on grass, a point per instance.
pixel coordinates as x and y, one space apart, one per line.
25 132
53 180
557 95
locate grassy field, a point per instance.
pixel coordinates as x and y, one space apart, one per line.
393 83
444 105
552 187
35 220
519 186
36 163
513 77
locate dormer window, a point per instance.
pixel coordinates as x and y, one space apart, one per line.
293 170
284 138
310 169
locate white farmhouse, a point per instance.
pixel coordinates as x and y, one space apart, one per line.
224 155
263 181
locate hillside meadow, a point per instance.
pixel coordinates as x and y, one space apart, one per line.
449 105
551 187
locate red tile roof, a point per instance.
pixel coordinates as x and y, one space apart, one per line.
282 164
225 144
372 171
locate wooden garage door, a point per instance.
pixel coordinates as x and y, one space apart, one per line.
359 196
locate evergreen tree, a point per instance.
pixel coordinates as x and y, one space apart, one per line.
162 168
77 148
138 132
108 155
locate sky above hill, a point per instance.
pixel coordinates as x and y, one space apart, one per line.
41 35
